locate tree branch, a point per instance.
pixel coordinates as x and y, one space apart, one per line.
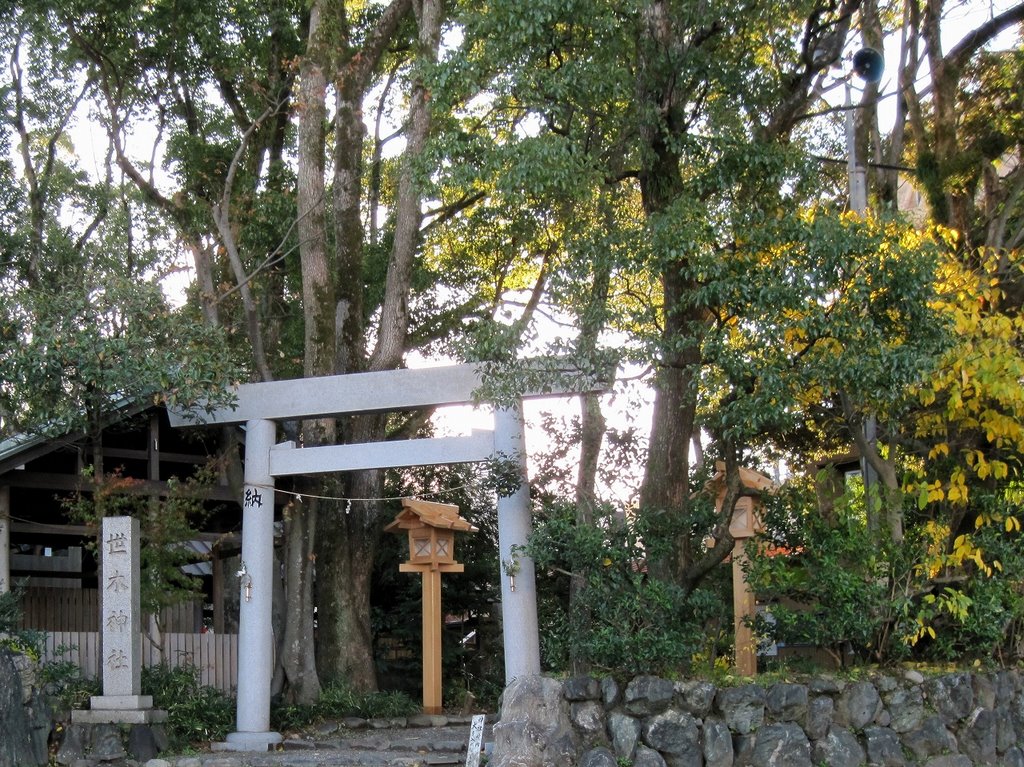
978 38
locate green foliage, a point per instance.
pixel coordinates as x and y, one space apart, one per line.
625 621
28 642
63 680
339 700
828 582
833 584
166 526
10 610
195 713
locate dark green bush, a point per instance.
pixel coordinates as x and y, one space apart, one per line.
622 621
195 713
339 700
63 680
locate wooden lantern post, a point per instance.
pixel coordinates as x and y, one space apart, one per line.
744 525
431 528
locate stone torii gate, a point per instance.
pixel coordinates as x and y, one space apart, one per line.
261 405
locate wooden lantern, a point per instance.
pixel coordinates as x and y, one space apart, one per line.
745 524
431 529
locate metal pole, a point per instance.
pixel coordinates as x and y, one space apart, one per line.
518 582
859 205
855 171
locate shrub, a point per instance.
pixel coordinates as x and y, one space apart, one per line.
338 700
63 681
622 620
195 712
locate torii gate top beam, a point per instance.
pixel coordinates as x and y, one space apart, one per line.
328 396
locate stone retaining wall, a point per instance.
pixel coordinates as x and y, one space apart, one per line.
950 720
25 720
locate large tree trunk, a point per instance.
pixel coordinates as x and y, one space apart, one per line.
318 316
348 539
347 544
666 476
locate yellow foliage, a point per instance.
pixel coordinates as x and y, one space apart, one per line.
976 387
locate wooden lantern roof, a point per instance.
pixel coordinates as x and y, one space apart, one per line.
749 479
418 514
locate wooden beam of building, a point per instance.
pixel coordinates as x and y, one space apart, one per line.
377 392
288 460
38 480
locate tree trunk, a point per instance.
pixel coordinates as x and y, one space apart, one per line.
298 661
303 685
394 321
348 538
346 546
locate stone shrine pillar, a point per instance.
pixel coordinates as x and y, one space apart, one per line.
256 578
518 583
121 631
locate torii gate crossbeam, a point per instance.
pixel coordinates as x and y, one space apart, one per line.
259 406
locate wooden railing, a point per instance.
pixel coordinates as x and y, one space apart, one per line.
214 655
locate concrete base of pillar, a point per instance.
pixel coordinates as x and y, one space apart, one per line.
248 741
119 716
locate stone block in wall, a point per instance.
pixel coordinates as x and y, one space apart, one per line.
647 695
906 709
931 738
743 749
598 757
589 720
787 702
948 760
1014 757
820 712
716 744
73 744
951 695
858 705
1007 685
696 697
39 714
976 737
742 708
840 748
580 688
535 728
611 693
984 689
883 747
781 745
676 736
624 731
648 757
16 744
826 685
1006 733
884 683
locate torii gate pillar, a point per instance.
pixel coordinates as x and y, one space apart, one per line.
256 577
518 589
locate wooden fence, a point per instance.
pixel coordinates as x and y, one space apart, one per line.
214 655
57 609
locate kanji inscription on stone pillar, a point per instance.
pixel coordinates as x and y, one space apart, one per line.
119 607
120 624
